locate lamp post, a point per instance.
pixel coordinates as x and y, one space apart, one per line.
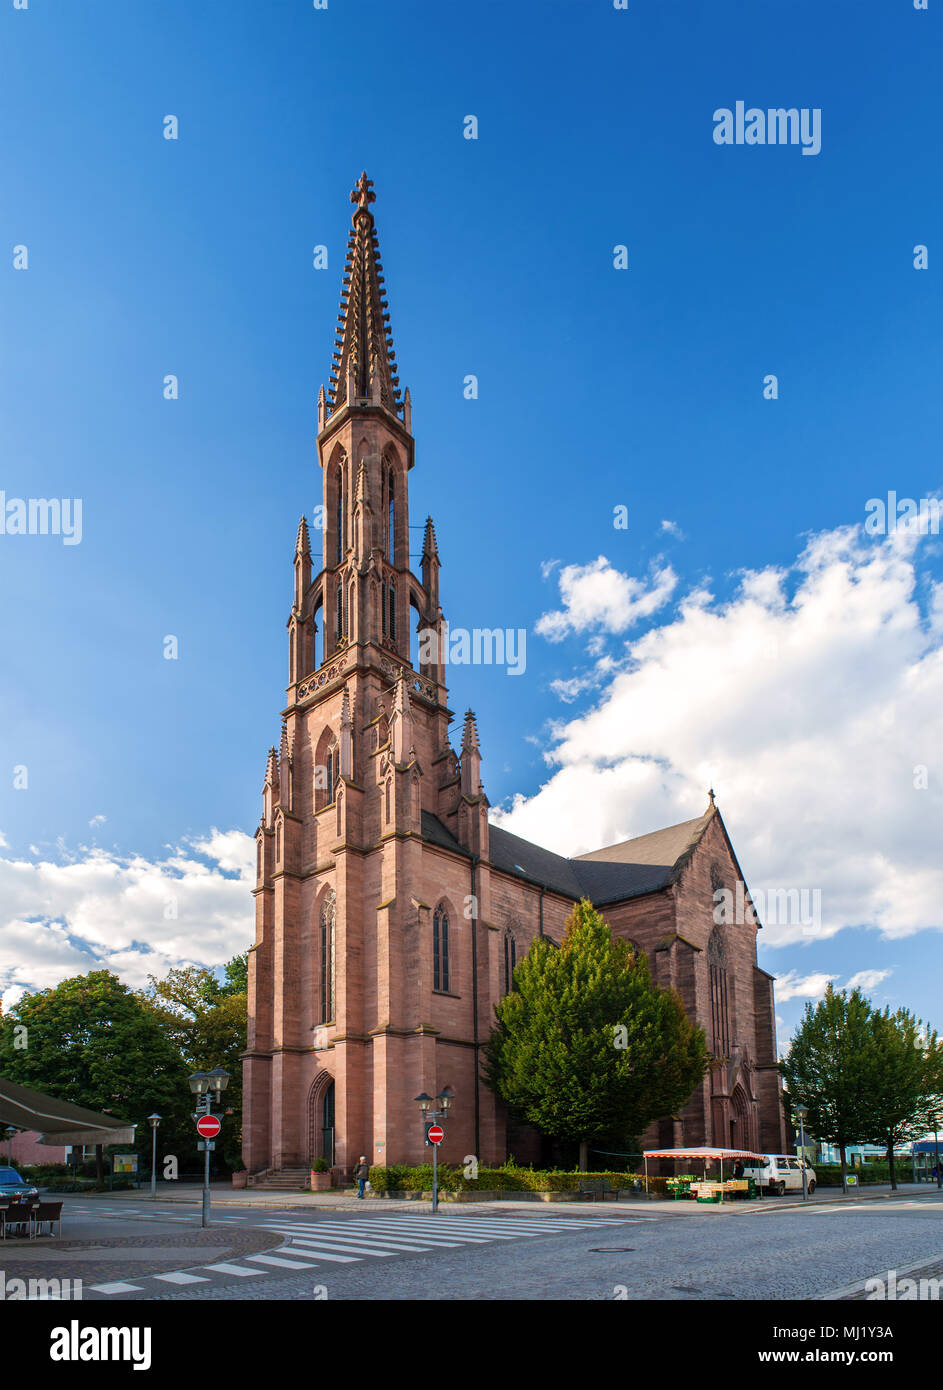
154 1120
432 1110
9 1132
208 1087
801 1111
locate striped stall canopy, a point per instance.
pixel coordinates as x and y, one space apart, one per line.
702 1155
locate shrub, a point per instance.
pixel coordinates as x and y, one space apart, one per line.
320 1165
400 1177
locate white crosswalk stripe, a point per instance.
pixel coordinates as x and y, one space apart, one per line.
309 1243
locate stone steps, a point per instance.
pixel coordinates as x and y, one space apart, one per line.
281 1179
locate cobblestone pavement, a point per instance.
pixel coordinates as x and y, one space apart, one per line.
662 1252
122 1246
505 1251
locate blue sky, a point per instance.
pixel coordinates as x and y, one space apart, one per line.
597 388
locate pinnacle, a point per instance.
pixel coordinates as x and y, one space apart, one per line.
429 544
470 731
303 543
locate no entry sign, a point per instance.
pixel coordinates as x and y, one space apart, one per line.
436 1134
208 1126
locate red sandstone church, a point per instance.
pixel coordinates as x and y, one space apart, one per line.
389 912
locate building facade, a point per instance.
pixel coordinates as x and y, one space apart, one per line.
389 912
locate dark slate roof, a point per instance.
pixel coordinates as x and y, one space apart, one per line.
627 870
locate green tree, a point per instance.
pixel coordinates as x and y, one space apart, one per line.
206 1020
831 1069
906 1081
92 1042
586 1047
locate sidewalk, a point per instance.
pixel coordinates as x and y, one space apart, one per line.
224 1195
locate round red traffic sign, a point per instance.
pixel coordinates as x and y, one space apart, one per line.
208 1126
436 1134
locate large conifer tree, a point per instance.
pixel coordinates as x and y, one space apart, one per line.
586 1046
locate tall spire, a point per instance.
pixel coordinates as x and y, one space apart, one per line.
364 360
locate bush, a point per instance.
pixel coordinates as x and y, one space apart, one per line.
829 1174
320 1165
400 1177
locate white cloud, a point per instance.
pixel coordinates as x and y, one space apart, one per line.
598 596
808 699
673 529
794 986
96 821
4 842
866 980
92 909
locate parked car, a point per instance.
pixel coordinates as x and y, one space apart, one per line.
13 1188
781 1173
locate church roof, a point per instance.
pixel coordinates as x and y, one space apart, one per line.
631 869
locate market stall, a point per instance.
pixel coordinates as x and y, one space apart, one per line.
704 1155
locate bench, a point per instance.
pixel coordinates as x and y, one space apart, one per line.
595 1187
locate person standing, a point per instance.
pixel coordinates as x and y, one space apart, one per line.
362 1173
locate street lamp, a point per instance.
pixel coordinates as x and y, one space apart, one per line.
154 1120
435 1109
9 1132
208 1087
801 1111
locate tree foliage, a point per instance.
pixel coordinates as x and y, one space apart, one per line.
91 1041
865 1076
586 1047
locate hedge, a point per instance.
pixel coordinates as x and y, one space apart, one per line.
400 1177
829 1174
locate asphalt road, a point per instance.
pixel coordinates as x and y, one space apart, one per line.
571 1252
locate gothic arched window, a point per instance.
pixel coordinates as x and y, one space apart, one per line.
510 961
327 960
392 613
391 521
340 610
720 1013
341 502
440 950
332 767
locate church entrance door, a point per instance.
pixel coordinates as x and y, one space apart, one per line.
327 1126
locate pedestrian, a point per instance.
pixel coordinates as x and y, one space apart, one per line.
362 1173
738 1168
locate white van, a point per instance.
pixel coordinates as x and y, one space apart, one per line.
781 1173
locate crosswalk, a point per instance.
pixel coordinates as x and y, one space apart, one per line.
142 1214
323 1244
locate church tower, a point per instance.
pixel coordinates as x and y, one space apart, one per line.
351 933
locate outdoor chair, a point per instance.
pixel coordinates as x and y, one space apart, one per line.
48 1214
12 1217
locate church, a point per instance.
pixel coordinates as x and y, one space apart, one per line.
390 912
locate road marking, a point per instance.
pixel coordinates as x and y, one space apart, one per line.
116 1288
178 1277
276 1260
335 1259
232 1269
339 1243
